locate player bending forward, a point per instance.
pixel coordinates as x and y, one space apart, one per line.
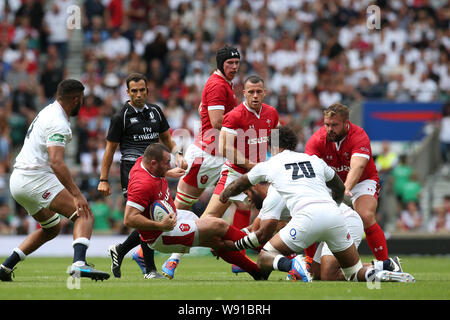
303 182
183 230
274 213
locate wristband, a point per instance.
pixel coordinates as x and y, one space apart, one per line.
103 180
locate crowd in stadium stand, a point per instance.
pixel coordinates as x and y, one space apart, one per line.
310 53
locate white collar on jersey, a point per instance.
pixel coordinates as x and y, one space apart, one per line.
339 143
142 166
137 109
258 115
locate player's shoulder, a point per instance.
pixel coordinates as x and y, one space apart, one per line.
53 117
357 133
269 108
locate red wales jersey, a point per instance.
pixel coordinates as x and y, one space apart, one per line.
337 154
217 94
143 190
252 131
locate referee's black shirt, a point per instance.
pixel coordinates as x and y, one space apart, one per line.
134 131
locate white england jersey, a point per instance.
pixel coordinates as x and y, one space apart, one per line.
51 127
299 178
274 207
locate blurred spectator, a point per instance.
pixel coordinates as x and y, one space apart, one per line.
56 28
101 212
6 216
410 218
401 174
444 138
411 190
440 221
385 161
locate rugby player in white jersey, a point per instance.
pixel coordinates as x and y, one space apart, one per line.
273 213
304 182
41 183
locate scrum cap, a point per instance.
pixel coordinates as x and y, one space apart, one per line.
224 54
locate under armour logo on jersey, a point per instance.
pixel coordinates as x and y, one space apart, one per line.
268 122
328 157
252 126
378 249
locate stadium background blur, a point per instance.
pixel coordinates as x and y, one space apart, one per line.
310 53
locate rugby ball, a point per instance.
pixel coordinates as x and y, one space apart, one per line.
160 209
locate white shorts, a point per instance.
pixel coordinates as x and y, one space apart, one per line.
181 238
34 191
369 187
317 222
355 227
203 169
228 175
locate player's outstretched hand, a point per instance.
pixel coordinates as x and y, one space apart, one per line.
175 172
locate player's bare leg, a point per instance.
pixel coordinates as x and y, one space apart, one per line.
40 236
187 195
82 231
215 207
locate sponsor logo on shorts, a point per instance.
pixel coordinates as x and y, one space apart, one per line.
185 227
293 233
348 236
46 194
204 179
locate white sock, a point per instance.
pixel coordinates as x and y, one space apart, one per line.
378 265
275 261
176 256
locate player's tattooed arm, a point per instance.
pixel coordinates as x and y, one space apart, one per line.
337 188
235 188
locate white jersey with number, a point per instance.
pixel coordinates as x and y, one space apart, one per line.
51 127
299 178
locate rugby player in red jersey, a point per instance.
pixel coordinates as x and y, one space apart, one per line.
204 164
346 148
180 231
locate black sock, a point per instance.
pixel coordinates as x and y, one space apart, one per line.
284 264
149 257
12 260
79 252
131 242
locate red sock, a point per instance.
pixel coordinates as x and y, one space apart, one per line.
234 234
239 259
311 250
241 218
377 242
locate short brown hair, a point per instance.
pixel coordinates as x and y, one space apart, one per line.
154 151
136 77
337 109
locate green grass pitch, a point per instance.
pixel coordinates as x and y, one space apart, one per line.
205 278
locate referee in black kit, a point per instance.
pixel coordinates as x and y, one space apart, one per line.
134 127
